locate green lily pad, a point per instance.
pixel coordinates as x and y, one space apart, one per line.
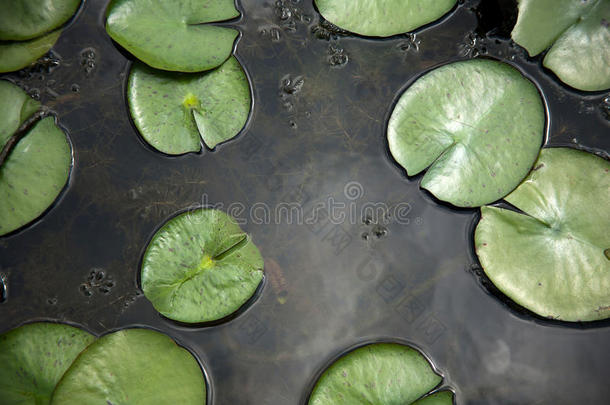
175 111
382 18
380 374
28 19
200 267
38 166
174 35
15 55
134 366
33 359
578 33
478 125
553 258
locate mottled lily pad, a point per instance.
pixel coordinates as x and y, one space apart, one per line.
382 18
133 366
380 374
174 35
15 55
578 33
175 111
21 20
36 168
200 266
553 257
476 125
33 358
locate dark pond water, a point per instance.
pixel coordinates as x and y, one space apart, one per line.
316 135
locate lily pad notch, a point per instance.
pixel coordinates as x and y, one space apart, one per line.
380 373
36 159
551 257
30 28
576 34
200 268
176 113
476 126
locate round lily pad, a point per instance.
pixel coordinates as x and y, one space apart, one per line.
27 19
382 18
553 258
37 167
477 126
175 111
380 374
33 359
578 33
200 267
175 35
15 55
133 366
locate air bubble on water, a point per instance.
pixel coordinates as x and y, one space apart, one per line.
3 287
293 125
380 231
337 57
605 107
52 301
75 88
34 93
365 235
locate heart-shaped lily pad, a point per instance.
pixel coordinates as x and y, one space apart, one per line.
382 18
33 358
200 267
380 374
15 55
578 33
133 366
21 20
36 167
174 35
175 111
477 124
554 258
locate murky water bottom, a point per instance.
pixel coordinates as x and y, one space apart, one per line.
316 135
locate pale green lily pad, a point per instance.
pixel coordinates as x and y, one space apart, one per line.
21 20
551 259
382 18
578 33
175 111
15 55
200 267
33 358
133 366
477 126
174 35
36 169
380 374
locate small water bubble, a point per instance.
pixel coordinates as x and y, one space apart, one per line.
3 287
34 93
368 220
86 290
605 107
293 125
52 301
380 231
365 235
337 56
75 88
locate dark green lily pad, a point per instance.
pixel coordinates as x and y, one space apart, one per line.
175 111
33 358
200 267
438 398
382 18
478 125
27 19
174 35
552 259
380 374
134 366
578 33
15 55
38 166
